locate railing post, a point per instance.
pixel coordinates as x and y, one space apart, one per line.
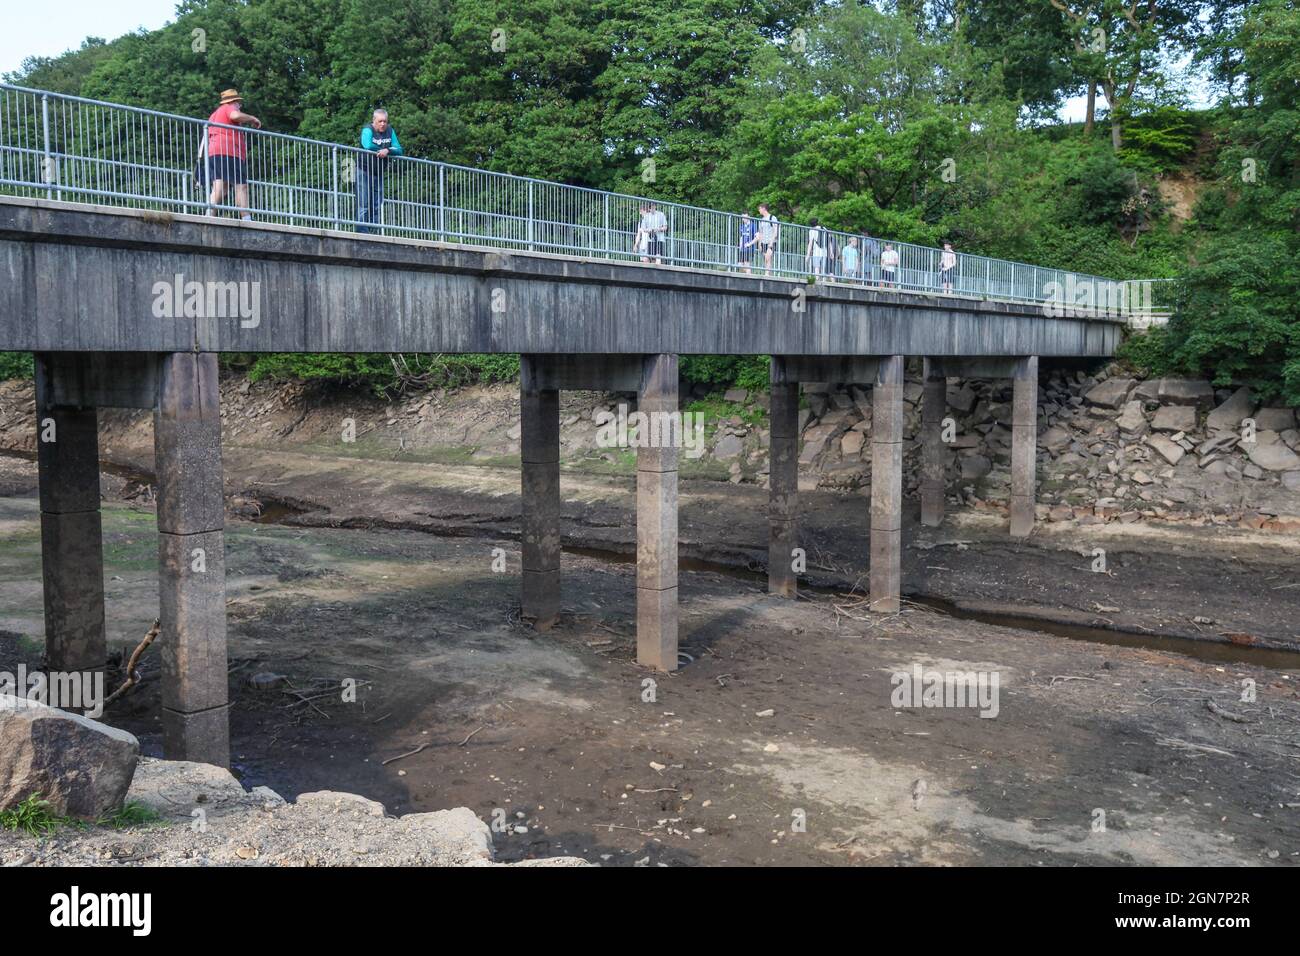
334 186
442 205
49 165
988 285
672 233
606 205
530 215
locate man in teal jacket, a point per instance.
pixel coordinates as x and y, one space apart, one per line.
379 140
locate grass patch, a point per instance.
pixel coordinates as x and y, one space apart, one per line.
34 817
130 814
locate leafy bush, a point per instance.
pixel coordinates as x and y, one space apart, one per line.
720 372
1147 353
16 365
386 375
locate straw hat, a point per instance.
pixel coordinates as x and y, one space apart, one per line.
230 96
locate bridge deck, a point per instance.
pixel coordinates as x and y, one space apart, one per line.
89 278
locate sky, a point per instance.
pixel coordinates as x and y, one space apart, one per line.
49 27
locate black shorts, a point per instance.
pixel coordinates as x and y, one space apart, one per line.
654 247
228 169
745 254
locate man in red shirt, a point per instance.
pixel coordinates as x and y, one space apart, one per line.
228 151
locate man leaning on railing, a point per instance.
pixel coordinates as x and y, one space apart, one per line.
379 140
228 152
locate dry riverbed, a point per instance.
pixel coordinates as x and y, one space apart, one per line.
778 740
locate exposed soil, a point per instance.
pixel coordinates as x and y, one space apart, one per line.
560 727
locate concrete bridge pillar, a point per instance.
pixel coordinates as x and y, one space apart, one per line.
783 481
887 484
539 413
191 559
934 404
1024 444
656 521
67 454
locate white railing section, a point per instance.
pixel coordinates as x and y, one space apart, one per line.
70 148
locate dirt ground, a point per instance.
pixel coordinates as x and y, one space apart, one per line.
381 573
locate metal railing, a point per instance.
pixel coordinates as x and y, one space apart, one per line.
70 148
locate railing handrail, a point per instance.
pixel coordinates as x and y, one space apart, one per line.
967 264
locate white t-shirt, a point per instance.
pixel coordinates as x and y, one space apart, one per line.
767 229
947 261
889 259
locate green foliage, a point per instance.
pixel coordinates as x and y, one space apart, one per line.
1238 320
720 372
386 375
1147 352
1161 139
34 817
130 814
16 365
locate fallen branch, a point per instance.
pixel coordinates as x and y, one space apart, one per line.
132 675
1218 711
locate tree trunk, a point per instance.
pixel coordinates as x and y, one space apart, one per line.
1116 133
1089 120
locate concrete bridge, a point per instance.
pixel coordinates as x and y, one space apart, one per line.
130 308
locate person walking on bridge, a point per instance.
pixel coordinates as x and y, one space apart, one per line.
947 266
769 234
379 142
228 151
889 266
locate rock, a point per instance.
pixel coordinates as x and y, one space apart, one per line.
1111 393
1228 416
1275 419
1183 391
1168 450
80 766
335 802
1253 472
842 400
1061 513
729 446
975 466
851 444
1273 456
265 680
1142 478
1291 480
961 399
1131 420
1148 390
1219 443
1174 418
1054 439
737 395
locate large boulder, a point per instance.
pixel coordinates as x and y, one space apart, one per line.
1229 415
1131 421
81 767
1275 419
1174 418
1110 393
1170 451
1183 391
1270 454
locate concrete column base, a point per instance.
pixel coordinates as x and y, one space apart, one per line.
656 524
202 736
191 559
887 486
934 455
1024 445
539 421
72 560
783 482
